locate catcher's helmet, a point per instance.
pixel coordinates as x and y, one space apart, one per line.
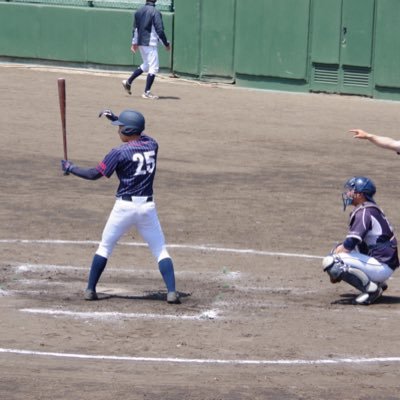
359 184
132 122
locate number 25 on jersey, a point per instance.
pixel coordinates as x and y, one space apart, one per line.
146 162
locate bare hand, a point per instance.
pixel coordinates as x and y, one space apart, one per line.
340 249
360 134
134 48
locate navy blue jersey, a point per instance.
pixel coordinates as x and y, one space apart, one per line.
149 26
375 237
135 165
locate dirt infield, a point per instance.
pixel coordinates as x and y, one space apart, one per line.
248 193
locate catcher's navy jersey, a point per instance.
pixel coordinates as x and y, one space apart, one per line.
370 227
135 165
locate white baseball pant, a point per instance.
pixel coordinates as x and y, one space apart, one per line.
150 59
138 214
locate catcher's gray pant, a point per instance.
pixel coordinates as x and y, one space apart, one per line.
138 214
376 271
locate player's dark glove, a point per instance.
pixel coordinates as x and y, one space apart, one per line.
108 114
66 166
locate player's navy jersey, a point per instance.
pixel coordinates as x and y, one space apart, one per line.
369 226
135 165
148 26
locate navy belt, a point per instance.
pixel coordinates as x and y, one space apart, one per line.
129 198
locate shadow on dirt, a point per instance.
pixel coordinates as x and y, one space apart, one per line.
169 98
157 296
348 299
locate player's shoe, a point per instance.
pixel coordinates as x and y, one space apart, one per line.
90 295
369 298
126 86
173 298
149 95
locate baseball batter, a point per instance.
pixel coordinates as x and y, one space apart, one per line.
135 163
368 256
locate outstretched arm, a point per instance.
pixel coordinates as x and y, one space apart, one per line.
86 173
380 141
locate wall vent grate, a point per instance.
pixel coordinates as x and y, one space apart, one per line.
326 74
356 77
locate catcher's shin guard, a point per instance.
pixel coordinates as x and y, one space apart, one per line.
358 279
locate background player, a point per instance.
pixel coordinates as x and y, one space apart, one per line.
368 256
148 30
380 141
134 162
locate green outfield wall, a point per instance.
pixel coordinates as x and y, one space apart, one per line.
72 34
204 38
333 46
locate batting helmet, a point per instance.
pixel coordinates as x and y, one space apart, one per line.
358 184
132 122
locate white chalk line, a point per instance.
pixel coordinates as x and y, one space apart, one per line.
172 246
349 360
205 315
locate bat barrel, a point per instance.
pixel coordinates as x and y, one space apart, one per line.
62 101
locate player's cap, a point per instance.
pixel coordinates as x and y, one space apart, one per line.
132 121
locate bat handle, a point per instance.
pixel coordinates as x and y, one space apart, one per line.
65 140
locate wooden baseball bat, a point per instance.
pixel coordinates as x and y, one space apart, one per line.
62 101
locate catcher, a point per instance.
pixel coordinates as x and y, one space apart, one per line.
368 256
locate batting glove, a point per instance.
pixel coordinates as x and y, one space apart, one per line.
108 114
66 166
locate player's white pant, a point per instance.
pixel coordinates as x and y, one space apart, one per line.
150 59
126 215
376 271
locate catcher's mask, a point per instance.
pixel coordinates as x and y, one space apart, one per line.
358 184
132 122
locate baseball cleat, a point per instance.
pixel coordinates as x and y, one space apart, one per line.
173 298
90 295
149 95
361 298
368 298
126 86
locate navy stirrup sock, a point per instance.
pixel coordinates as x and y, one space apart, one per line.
135 74
149 82
167 272
97 268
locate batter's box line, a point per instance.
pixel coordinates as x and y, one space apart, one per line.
172 360
104 315
171 246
